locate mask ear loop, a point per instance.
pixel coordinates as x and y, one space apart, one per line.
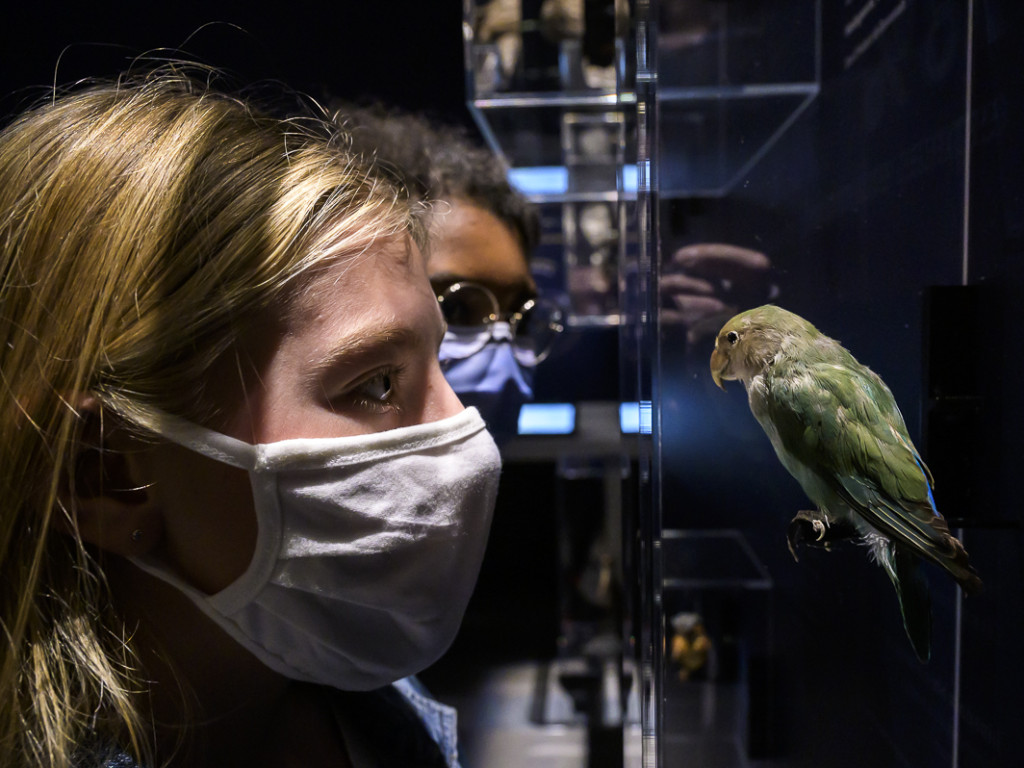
201 440
526 357
269 532
236 453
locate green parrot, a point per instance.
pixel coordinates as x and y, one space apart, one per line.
835 426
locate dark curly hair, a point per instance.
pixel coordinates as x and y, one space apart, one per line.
438 162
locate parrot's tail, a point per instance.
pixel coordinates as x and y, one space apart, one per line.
911 585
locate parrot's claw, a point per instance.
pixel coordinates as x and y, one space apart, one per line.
814 528
819 528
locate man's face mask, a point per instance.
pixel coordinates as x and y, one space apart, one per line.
490 379
488 361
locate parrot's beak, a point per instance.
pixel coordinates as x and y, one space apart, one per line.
718 364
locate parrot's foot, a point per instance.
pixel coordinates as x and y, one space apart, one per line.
813 528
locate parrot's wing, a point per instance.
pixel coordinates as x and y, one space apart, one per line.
842 420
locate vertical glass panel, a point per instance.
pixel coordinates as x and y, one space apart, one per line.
550 87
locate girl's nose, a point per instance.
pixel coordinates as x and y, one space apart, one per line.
441 400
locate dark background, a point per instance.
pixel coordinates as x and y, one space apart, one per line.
406 52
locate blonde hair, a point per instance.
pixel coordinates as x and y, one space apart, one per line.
143 224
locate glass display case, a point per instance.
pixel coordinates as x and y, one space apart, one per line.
549 85
857 163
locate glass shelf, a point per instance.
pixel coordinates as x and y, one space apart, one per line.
580 145
730 79
539 99
711 559
711 137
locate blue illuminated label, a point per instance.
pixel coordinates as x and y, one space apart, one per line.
554 179
547 419
635 417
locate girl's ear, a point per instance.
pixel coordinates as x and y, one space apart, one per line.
107 493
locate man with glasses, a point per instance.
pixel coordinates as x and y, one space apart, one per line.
481 235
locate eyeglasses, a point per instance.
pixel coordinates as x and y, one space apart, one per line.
473 313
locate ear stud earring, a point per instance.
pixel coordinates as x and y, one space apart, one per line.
136 535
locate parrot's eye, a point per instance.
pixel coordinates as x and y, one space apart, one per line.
732 337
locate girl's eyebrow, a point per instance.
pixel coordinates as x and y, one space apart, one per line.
364 343
360 344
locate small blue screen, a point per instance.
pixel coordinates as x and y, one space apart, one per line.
547 419
635 417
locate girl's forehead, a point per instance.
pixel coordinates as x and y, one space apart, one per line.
345 276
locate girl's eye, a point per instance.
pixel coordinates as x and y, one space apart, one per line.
377 390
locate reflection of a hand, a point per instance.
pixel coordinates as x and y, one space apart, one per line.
705 281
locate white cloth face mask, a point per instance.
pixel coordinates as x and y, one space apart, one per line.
367 551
